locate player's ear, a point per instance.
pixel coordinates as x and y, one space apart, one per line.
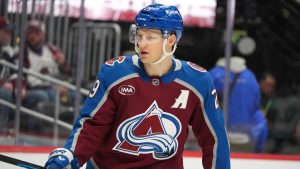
172 40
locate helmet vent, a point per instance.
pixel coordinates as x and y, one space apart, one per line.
145 12
155 19
164 18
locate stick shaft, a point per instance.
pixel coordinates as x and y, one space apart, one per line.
19 163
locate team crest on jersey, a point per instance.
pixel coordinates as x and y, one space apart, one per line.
197 67
153 132
112 61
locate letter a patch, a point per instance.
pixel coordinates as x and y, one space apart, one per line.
181 101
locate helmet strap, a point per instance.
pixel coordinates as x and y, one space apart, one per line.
165 54
136 48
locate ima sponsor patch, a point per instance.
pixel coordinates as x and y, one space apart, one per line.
126 90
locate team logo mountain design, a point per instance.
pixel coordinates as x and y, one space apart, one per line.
153 132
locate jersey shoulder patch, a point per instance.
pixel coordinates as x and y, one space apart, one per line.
112 61
117 64
194 74
196 67
116 68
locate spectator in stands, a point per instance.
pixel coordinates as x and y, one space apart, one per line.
43 58
244 115
269 101
284 128
6 83
283 116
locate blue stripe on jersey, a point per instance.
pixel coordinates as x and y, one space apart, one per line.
202 85
92 105
198 82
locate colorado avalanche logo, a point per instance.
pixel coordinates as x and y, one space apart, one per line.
153 132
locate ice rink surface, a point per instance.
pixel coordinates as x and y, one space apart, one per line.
38 155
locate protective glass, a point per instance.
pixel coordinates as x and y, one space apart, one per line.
132 33
149 38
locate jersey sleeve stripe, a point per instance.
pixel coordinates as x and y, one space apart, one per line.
205 117
103 99
93 163
77 133
97 108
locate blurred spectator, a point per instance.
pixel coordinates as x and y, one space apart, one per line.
43 58
267 84
283 115
6 83
245 120
269 101
46 59
284 127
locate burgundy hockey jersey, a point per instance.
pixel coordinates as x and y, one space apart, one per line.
132 120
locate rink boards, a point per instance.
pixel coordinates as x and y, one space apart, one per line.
192 160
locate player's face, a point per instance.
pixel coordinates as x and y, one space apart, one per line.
150 45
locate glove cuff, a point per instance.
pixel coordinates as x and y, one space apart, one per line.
62 152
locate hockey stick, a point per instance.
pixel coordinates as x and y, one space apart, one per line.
19 163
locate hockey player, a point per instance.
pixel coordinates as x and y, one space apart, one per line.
139 109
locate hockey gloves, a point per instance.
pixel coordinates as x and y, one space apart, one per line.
61 158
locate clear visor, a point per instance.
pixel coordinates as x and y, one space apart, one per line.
150 36
132 33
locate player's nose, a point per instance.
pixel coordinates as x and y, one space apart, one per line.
142 44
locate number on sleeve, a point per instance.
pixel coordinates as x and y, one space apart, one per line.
94 89
112 61
214 93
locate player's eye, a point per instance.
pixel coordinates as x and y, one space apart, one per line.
147 38
151 38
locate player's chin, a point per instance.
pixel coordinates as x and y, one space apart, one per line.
145 59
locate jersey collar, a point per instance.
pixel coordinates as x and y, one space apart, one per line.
167 78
